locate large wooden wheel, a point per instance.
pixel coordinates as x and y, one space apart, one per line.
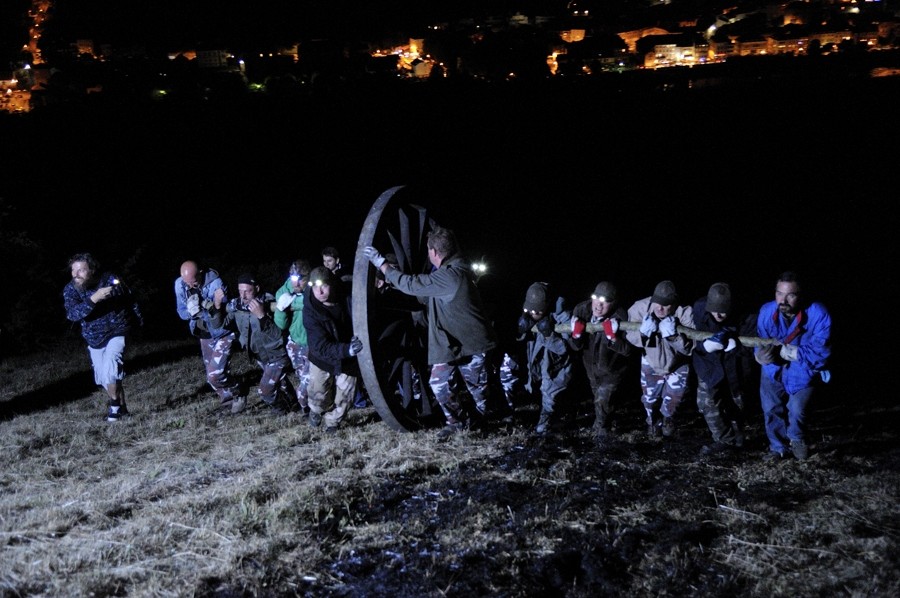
392 325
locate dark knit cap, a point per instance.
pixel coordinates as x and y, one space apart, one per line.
607 290
664 293
247 278
538 297
718 299
321 275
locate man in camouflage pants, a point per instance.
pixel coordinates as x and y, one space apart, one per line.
194 300
459 333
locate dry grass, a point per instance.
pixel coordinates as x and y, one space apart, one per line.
175 501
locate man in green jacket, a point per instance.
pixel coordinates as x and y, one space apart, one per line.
289 317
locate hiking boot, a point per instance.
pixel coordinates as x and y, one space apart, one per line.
450 430
238 404
773 456
716 448
800 450
543 423
668 427
115 412
653 430
315 419
738 434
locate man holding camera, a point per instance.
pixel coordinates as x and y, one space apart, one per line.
194 291
248 316
107 312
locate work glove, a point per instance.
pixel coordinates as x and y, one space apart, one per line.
610 328
731 346
649 325
560 305
524 325
546 325
356 346
715 343
193 305
373 256
788 352
284 301
208 304
577 327
667 327
766 355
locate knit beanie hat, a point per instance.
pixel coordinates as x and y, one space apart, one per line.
718 299
664 293
246 278
538 297
606 290
321 275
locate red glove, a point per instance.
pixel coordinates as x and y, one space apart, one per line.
610 328
577 328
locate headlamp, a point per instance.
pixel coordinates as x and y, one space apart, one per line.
599 298
295 278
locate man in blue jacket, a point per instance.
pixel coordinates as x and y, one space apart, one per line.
793 367
107 312
194 299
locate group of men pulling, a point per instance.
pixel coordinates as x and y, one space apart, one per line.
306 328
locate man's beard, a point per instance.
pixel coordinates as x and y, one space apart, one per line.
83 284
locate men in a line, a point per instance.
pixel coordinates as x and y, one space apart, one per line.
107 312
459 333
793 368
248 316
665 357
605 352
722 365
289 317
194 299
333 368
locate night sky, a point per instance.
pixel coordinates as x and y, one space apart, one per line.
570 184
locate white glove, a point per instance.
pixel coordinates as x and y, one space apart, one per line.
648 325
711 346
284 301
731 346
373 256
788 352
356 346
667 327
193 305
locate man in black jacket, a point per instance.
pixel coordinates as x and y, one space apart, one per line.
333 368
722 365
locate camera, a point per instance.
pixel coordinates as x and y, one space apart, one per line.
236 305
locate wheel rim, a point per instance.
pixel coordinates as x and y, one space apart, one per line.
393 361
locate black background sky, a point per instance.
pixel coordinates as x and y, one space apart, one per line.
570 184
